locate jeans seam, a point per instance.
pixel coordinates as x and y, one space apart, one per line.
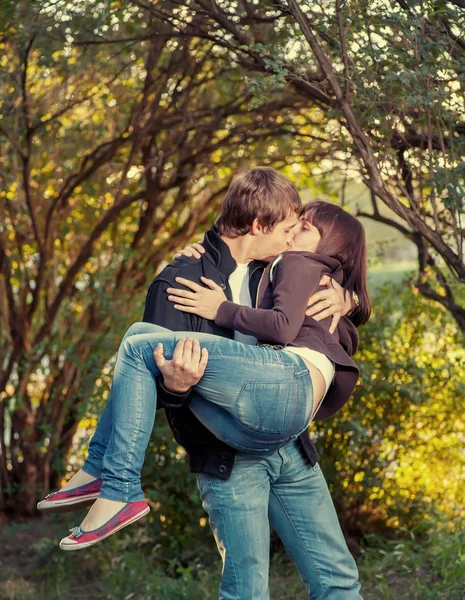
298 376
301 540
133 442
226 541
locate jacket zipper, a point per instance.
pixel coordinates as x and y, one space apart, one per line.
258 289
259 283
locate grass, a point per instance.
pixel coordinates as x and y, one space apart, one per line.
432 569
132 566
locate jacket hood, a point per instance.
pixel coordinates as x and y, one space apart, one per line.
332 263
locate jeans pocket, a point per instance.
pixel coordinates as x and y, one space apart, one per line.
266 407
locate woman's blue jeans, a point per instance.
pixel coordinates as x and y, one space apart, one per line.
254 398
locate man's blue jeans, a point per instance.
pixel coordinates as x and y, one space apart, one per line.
285 491
254 398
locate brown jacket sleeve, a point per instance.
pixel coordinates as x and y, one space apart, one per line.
295 279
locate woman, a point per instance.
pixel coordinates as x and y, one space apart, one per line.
254 398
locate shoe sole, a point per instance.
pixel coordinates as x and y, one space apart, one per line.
62 506
83 545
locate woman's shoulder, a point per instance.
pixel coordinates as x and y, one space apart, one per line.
292 264
308 258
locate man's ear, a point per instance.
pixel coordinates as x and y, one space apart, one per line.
256 228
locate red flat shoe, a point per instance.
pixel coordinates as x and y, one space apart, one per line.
58 502
79 539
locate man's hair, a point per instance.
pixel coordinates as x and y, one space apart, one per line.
261 193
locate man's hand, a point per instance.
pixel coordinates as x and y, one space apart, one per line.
202 301
186 368
196 250
329 303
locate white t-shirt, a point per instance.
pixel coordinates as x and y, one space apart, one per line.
239 284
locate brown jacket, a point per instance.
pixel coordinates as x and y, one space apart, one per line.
280 318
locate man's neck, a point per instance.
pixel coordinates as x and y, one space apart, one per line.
241 248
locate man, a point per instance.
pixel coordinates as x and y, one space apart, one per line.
241 493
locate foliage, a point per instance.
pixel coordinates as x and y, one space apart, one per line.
112 156
422 569
403 430
118 137
387 81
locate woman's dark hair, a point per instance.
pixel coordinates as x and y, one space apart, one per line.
343 238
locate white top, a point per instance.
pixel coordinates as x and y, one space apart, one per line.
321 362
239 284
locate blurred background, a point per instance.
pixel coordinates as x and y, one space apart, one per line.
121 126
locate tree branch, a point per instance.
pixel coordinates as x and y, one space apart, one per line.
81 259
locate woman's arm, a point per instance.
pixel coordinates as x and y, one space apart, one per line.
296 278
331 301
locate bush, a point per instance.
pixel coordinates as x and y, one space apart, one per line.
394 455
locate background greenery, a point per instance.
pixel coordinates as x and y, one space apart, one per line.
121 127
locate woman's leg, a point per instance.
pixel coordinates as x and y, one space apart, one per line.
92 467
253 398
134 404
98 445
260 388
111 500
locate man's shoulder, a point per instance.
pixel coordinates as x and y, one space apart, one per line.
182 266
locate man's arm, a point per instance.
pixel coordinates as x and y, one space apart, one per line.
334 301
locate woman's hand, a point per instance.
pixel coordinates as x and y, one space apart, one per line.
196 250
202 301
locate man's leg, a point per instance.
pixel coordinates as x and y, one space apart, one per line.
302 513
238 512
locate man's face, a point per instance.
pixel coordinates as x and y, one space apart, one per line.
279 240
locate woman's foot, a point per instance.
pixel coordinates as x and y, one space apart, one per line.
100 513
80 491
78 479
112 517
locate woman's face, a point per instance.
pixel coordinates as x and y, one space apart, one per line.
306 236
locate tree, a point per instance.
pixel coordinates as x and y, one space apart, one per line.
389 78
113 153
